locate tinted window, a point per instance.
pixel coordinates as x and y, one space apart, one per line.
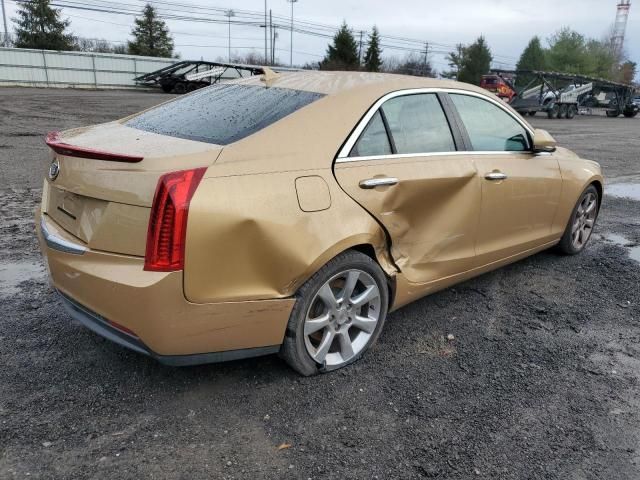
418 124
374 139
222 114
490 128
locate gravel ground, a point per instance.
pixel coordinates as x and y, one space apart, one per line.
540 382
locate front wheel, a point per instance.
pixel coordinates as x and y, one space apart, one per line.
338 315
581 224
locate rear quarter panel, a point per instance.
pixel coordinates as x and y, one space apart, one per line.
248 238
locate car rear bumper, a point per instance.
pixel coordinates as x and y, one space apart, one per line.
102 289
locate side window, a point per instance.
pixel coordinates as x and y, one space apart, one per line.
373 141
490 128
418 124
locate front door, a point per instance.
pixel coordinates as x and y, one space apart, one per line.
404 169
520 190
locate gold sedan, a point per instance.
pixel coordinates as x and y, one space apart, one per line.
290 213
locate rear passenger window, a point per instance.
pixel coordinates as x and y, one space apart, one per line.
418 124
374 140
490 128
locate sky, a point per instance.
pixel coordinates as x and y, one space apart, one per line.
506 24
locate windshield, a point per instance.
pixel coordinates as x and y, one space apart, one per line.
223 113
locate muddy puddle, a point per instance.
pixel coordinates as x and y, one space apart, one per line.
12 274
631 247
624 190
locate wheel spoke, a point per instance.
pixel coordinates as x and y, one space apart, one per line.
589 222
327 296
369 294
325 345
350 284
365 324
591 207
346 348
315 324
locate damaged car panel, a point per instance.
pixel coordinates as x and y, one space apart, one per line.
298 225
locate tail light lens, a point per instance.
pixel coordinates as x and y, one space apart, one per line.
168 221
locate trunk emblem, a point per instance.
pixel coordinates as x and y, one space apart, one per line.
54 170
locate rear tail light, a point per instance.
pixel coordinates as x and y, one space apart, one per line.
57 145
168 221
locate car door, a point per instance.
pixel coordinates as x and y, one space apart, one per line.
402 165
520 190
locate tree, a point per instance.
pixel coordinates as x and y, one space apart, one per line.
476 62
411 64
454 59
372 60
38 25
568 52
151 35
628 73
343 54
532 58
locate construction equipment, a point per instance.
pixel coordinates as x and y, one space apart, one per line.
498 86
563 95
186 76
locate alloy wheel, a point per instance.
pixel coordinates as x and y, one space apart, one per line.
584 220
342 317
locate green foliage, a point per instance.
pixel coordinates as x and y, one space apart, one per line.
372 60
40 26
454 59
533 58
151 35
475 62
343 54
628 72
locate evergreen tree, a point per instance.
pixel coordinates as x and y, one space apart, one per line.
532 58
455 59
372 60
40 26
476 62
343 54
151 35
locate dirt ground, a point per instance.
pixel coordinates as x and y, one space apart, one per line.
541 381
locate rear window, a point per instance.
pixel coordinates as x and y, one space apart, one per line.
223 113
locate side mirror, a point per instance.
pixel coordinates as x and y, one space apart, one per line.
543 142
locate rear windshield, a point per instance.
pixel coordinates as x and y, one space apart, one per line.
223 113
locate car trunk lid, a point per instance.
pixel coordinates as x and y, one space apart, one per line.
103 186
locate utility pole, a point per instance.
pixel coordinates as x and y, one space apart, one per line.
4 21
426 58
291 54
360 49
229 14
266 32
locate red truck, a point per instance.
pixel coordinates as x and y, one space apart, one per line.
497 85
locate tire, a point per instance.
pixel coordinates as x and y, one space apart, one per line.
613 113
553 111
630 114
582 220
562 112
571 112
179 88
305 349
166 88
532 113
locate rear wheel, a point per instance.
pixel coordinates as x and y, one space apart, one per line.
553 111
630 114
339 313
532 113
180 88
562 112
613 113
581 223
571 111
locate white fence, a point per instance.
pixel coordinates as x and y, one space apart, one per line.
49 68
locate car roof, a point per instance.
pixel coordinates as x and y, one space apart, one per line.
334 83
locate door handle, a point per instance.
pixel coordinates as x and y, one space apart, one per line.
378 182
495 176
